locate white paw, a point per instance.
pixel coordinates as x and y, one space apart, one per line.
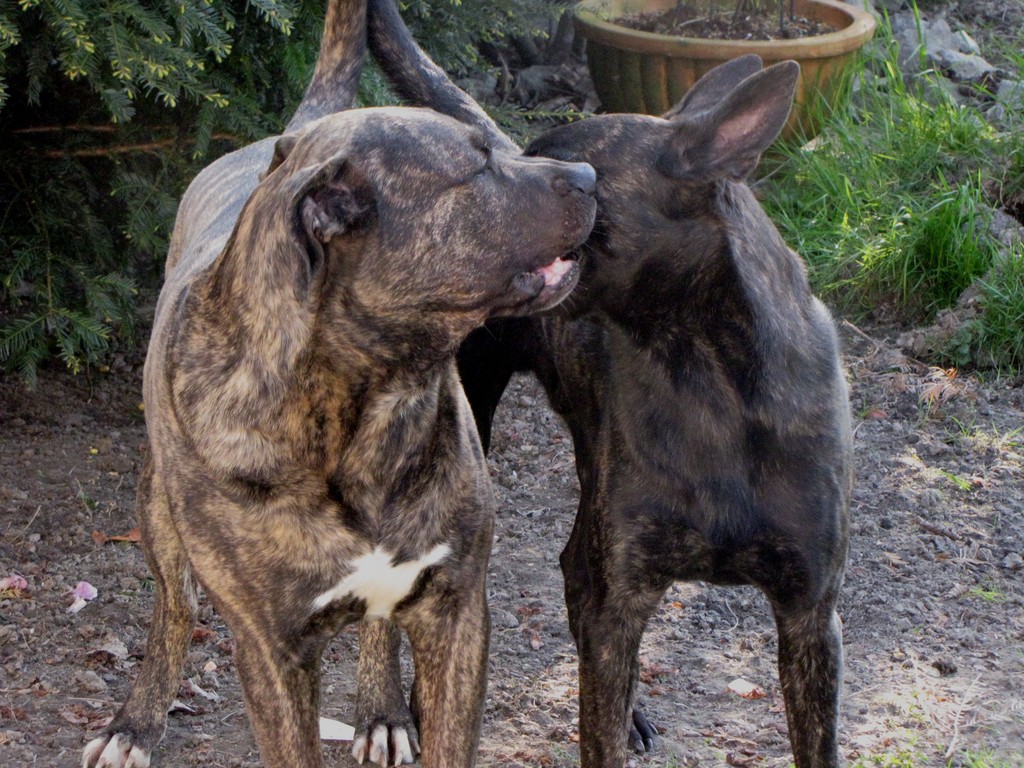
379 747
114 752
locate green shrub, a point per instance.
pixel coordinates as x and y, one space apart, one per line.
890 206
107 110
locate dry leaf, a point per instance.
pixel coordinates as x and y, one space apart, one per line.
653 673
135 534
535 642
731 758
201 634
942 385
112 647
894 560
193 688
74 717
13 586
746 689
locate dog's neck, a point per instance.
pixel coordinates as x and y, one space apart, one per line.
251 376
728 297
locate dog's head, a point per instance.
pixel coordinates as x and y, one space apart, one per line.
658 177
406 215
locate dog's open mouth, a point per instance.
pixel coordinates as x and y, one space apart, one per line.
546 286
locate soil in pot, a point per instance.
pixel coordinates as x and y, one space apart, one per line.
698 21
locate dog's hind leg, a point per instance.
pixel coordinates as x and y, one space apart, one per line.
384 729
810 669
138 727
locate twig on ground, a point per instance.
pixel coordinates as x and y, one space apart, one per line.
956 719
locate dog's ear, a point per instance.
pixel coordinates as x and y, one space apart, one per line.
727 140
282 148
715 85
336 200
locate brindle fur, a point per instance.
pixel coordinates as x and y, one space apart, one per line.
702 384
304 410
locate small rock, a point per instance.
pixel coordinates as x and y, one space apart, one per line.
1012 562
933 449
13 494
965 67
506 620
1010 93
90 681
966 44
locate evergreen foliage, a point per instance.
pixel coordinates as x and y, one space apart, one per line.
107 110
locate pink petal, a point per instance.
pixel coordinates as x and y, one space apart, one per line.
13 582
84 591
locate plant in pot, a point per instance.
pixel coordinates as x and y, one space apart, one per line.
645 54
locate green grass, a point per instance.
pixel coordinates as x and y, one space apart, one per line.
891 206
905 758
910 758
988 760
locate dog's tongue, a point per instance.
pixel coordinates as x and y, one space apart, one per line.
555 271
531 284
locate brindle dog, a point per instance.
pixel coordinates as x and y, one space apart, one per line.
312 459
702 384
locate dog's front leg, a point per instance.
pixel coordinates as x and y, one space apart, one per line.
281 686
810 669
138 727
449 635
385 731
608 611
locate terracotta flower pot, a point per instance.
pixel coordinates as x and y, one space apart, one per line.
644 72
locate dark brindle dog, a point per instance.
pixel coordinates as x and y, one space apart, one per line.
701 382
312 460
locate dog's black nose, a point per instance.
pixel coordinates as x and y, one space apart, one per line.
577 177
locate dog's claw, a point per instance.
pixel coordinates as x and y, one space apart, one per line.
115 751
401 748
359 749
641 732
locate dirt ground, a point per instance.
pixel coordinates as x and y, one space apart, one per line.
933 606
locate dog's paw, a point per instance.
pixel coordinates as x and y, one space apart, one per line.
641 732
114 751
386 746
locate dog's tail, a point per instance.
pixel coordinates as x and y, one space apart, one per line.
417 78
338 65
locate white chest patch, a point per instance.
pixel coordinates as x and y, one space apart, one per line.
380 583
